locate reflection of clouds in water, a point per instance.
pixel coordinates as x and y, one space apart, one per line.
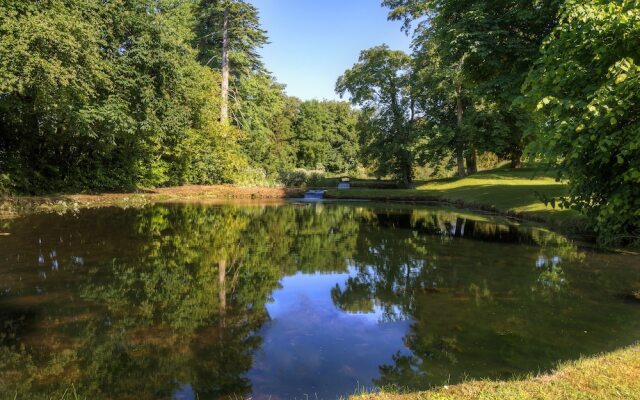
553 262
310 345
552 276
185 392
79 261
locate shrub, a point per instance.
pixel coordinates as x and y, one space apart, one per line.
5 185
301 177
488 160
253 176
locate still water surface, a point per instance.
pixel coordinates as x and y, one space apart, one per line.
295 301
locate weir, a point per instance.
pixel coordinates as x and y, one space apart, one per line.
314 194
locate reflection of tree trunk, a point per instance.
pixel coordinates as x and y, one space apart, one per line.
459 223
222 294
472 162
459 140
224 107
469 228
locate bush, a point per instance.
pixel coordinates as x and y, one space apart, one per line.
253 176
301 177
5 185
376 184
488 160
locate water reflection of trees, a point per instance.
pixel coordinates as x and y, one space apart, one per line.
183 302
185 296
471 308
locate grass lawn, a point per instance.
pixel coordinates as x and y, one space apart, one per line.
614 375
514 192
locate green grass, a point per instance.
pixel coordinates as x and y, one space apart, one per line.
614 375
511 192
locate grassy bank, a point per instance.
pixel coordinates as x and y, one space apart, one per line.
614 375
508 192
515 193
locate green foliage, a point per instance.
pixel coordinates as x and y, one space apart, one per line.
301 177
264 113
326 136
102 96
245 35
380 84
585 92
471 59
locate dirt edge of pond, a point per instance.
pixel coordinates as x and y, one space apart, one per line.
12 206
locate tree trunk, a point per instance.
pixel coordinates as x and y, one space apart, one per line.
516 156
460 161
224 92
459 139
472 162
407 175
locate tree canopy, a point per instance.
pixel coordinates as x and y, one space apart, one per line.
584 93
380 84
100 96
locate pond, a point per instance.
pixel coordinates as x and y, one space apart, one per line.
186 301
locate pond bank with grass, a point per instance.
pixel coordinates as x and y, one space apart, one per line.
615 375
513 193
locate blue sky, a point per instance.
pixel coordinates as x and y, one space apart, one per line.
314 41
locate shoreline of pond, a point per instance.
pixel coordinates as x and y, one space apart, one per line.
609 375
16 206
569 226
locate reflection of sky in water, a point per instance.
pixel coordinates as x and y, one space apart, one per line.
312 343
184 393
503 295
311 349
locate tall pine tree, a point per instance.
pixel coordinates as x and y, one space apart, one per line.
229 37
